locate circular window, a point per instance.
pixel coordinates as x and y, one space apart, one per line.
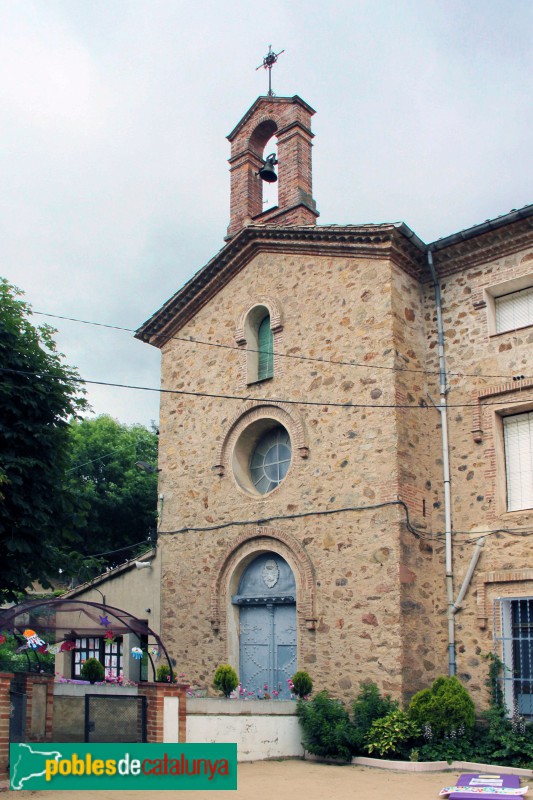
270 460
262 456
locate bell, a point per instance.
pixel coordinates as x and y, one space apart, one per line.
267 172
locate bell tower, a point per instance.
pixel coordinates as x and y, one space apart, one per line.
289 120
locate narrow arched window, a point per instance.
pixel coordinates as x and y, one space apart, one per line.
265 347
259 338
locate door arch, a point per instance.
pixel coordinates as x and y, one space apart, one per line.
266 598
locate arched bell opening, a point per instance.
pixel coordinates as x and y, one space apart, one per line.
269 175
264 143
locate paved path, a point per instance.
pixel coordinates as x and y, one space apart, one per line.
291 780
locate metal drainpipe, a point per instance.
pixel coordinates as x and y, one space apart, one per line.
442 408
468 577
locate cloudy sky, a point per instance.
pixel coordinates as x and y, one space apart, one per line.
113 118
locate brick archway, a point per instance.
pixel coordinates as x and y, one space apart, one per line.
243 549
254 410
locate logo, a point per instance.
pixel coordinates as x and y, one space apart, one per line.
123 766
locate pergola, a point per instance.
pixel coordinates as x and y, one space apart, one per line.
94 619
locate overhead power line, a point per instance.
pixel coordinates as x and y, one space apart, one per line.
101 458
293 356
417 532
423 406
120 550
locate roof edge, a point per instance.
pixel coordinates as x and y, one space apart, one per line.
484 227
105 576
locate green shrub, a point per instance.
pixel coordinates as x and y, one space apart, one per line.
446 706
225 679
326 727
302 683
162 673
507 741
390 735
457 745
368 707
92 670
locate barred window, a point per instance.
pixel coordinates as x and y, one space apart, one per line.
513 633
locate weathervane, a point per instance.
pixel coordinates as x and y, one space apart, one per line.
268 62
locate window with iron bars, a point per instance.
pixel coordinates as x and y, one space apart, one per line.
513 643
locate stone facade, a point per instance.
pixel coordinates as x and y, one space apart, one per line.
359 517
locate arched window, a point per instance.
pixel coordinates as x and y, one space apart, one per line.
259 342
259 337
265 347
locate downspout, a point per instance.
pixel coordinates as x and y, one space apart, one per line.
442 408
470 571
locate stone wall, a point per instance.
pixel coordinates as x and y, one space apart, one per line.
338 308
481 367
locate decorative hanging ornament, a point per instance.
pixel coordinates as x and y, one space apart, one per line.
32 639
109 636
54 649
104 621
154 651
137 653
43 648
67 646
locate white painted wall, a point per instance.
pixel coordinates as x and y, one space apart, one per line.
171 719
262 729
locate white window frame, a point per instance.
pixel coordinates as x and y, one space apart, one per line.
499 291
518 459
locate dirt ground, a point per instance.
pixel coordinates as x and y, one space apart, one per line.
292 780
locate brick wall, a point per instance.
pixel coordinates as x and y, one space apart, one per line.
39 707
5 714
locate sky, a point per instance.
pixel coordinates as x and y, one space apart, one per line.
113 152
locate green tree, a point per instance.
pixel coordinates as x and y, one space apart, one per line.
117 502
38 396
